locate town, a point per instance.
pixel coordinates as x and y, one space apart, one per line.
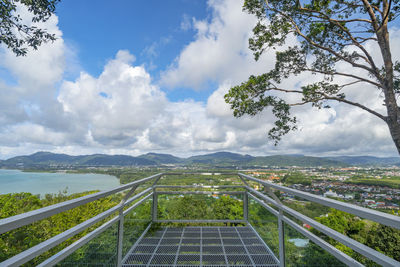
376 188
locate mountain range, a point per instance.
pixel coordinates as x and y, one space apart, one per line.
223 159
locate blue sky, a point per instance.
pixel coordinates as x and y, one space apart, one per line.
154 31
131 77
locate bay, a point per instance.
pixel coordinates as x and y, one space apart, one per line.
15 181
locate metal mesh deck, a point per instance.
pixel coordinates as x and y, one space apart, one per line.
201 246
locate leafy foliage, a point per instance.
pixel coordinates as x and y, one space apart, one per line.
18 36
327 33
385 240
393 182
314 255
195 207
296 178
377 236
20 239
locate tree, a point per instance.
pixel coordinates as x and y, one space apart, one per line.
328 33
316 256
25 237
385 239
18 36
227 208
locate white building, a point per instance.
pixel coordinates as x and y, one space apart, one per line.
330 193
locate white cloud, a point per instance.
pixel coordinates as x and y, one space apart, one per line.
43 67
123 111
186 23
118 105
220 51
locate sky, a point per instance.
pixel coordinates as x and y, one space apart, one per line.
132 77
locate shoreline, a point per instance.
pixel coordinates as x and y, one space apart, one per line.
54 182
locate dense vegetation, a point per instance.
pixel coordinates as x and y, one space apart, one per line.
14 242
296 178
196 207
392 182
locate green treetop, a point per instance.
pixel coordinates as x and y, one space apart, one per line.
18 36
327 33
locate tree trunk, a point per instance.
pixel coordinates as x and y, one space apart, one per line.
393 111
394 128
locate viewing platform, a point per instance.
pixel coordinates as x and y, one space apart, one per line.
201 246
161 223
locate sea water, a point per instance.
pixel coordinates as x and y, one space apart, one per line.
15 181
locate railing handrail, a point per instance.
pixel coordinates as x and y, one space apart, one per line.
377 216
317 240
198 186
200 192
26 218
32 252
351 243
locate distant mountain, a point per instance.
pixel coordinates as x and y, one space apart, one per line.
295 160
220 158
367 160
43 159
162 158
115 160
228 158
223 159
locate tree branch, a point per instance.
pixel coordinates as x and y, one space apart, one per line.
325 17
371 13
310 41
346 75
330 97
384 118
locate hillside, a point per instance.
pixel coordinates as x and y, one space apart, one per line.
366 160
45 159
221 159
289 160
162 158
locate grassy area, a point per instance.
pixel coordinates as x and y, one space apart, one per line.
392 182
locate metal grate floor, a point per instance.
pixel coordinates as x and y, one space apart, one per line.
201 246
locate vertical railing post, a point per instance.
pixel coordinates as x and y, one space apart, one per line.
281 239
281 229
154 209
245 206
154 204
121 225
120 236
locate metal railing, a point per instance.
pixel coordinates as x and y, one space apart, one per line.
380 217
154 191
17 221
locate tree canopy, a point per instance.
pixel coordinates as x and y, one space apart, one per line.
18 36
327 33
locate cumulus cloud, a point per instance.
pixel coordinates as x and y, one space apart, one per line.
118 105
220 51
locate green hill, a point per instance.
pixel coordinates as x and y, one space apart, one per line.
46 159
162 158
222 159
301 161
367 160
